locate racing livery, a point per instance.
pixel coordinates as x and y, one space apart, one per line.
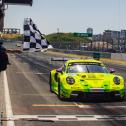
85 78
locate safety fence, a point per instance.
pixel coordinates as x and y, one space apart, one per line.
86 53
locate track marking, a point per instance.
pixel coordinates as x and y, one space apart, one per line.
54 105
103 106
58 105
31 73
41 73
9 112
68 117
86 106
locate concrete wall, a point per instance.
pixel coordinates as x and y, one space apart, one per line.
118 56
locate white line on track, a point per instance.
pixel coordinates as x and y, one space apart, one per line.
41 73
9 112
103 106
69 117
31 73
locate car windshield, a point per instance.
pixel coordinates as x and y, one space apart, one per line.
87 68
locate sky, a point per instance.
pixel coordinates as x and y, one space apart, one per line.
69 15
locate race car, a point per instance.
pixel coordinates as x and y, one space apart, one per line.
86 78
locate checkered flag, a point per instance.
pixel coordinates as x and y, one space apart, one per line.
34 40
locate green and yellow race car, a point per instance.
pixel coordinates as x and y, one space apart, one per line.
86 78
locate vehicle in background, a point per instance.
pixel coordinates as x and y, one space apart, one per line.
18 44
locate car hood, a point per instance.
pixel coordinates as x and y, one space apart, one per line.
91 76
93 80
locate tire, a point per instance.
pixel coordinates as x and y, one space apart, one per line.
122 99
59 91
50 84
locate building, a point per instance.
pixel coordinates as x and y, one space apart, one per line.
115 38
109 35
11 31
123 34
90 30
97 37
115 34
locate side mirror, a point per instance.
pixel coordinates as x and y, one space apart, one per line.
112 70
59 70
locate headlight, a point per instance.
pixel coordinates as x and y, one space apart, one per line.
70 80
116 80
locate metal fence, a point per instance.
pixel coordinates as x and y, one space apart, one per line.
85 53
113 47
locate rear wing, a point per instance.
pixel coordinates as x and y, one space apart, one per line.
66 59
59 59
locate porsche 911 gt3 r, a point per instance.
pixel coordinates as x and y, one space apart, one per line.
85 78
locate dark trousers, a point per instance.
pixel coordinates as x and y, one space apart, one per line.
4 61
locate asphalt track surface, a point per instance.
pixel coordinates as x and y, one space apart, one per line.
33 104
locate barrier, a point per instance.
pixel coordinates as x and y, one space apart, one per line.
86 53
118 56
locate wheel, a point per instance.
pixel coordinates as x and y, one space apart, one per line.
50 83
122 99
59 91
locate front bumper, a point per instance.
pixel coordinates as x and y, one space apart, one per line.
80 94
87 94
